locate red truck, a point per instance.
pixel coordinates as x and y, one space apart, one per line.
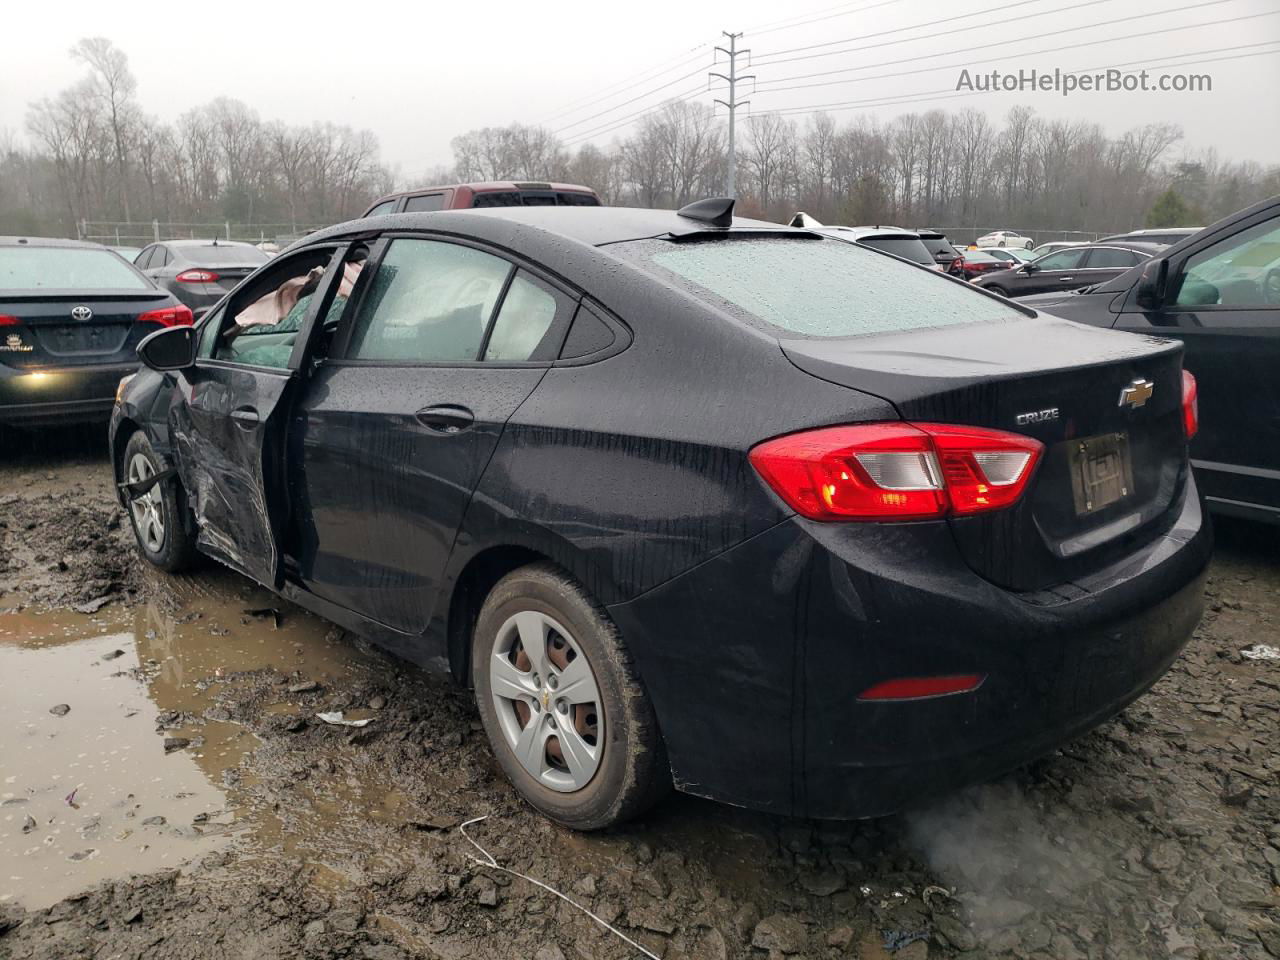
498 193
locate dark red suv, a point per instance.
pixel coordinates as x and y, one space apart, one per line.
498 193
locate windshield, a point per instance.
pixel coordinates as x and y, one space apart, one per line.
816 288
224 255
910 248
66 268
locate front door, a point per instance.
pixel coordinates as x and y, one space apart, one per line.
1223 302
230 413
396 428
1057 271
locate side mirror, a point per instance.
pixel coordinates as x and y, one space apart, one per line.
1029 268
1152 283
173 348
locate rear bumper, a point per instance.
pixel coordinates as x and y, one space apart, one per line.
755 661
60 394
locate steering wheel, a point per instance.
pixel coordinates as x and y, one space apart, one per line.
1271 287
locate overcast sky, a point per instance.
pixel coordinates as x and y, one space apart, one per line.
417 74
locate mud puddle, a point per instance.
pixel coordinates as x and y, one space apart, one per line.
115 757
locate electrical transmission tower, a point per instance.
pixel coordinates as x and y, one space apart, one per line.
733 103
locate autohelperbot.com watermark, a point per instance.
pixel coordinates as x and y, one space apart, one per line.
1066 83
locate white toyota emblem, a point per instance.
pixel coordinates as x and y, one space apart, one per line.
81 313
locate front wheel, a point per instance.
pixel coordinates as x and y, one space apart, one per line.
156 513
564 710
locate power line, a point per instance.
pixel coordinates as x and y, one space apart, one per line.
765 88
621 122
785 25
1078 6
931 23
951 94
624 103
697 53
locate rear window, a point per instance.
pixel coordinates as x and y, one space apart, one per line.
577 200
939 245
224 256
816 288
54 268
909 248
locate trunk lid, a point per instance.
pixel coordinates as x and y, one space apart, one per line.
1113 471
49 329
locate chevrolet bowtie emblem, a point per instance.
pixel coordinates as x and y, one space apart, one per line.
546 699
1137 393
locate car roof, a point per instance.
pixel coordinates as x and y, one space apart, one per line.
862 233
486 186
207 243
1130 245
49 242
594 226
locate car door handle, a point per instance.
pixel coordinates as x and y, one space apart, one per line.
246 417
1065 279
446 418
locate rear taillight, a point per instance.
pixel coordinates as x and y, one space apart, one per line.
1190 405
8 321
897 471
196 276
923 688
168 316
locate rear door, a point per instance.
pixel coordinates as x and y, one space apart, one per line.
437 352
1106 263
1224 304
230 413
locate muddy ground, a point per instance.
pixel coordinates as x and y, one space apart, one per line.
189 802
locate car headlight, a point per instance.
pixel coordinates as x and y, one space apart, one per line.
124 382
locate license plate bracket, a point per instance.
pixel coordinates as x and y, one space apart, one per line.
1101 472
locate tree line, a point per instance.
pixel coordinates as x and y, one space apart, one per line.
93 153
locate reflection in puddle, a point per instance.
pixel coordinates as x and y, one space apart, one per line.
92 794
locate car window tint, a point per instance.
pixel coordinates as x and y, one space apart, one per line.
386 206
1239 271
66 268
526 315
429 302
497 198
577 200
909 248
1110 257
209 328
817 288
264 319
1062 260
424 203
160 258
589 334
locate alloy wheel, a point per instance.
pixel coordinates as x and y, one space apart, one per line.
547 701
148 509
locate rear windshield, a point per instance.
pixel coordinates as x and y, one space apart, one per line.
55 268
224 256
910 248
530 198
816 288
939 245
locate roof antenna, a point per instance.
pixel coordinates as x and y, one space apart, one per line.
714 211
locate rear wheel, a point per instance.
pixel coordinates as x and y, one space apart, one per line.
156 514
566 714
997 290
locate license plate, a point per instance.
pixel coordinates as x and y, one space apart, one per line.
1101 473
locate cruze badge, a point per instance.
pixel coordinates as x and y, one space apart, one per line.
81 313
1137 393
1036 416
13 344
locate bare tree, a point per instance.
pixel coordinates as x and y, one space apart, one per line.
113 85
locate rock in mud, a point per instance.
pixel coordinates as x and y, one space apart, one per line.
779 932
176 743
304 686
60 710
28 823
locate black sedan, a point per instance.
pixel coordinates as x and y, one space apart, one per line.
686 498
71 317
1068 269
1219 292
199 272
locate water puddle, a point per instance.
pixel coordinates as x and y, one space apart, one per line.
91 792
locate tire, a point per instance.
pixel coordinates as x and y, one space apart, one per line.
624 771
1000 291
158 516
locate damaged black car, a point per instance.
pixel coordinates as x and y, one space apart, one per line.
687 499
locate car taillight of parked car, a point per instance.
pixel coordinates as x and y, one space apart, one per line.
168 316
1190 405
6 320
196 276
897 471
